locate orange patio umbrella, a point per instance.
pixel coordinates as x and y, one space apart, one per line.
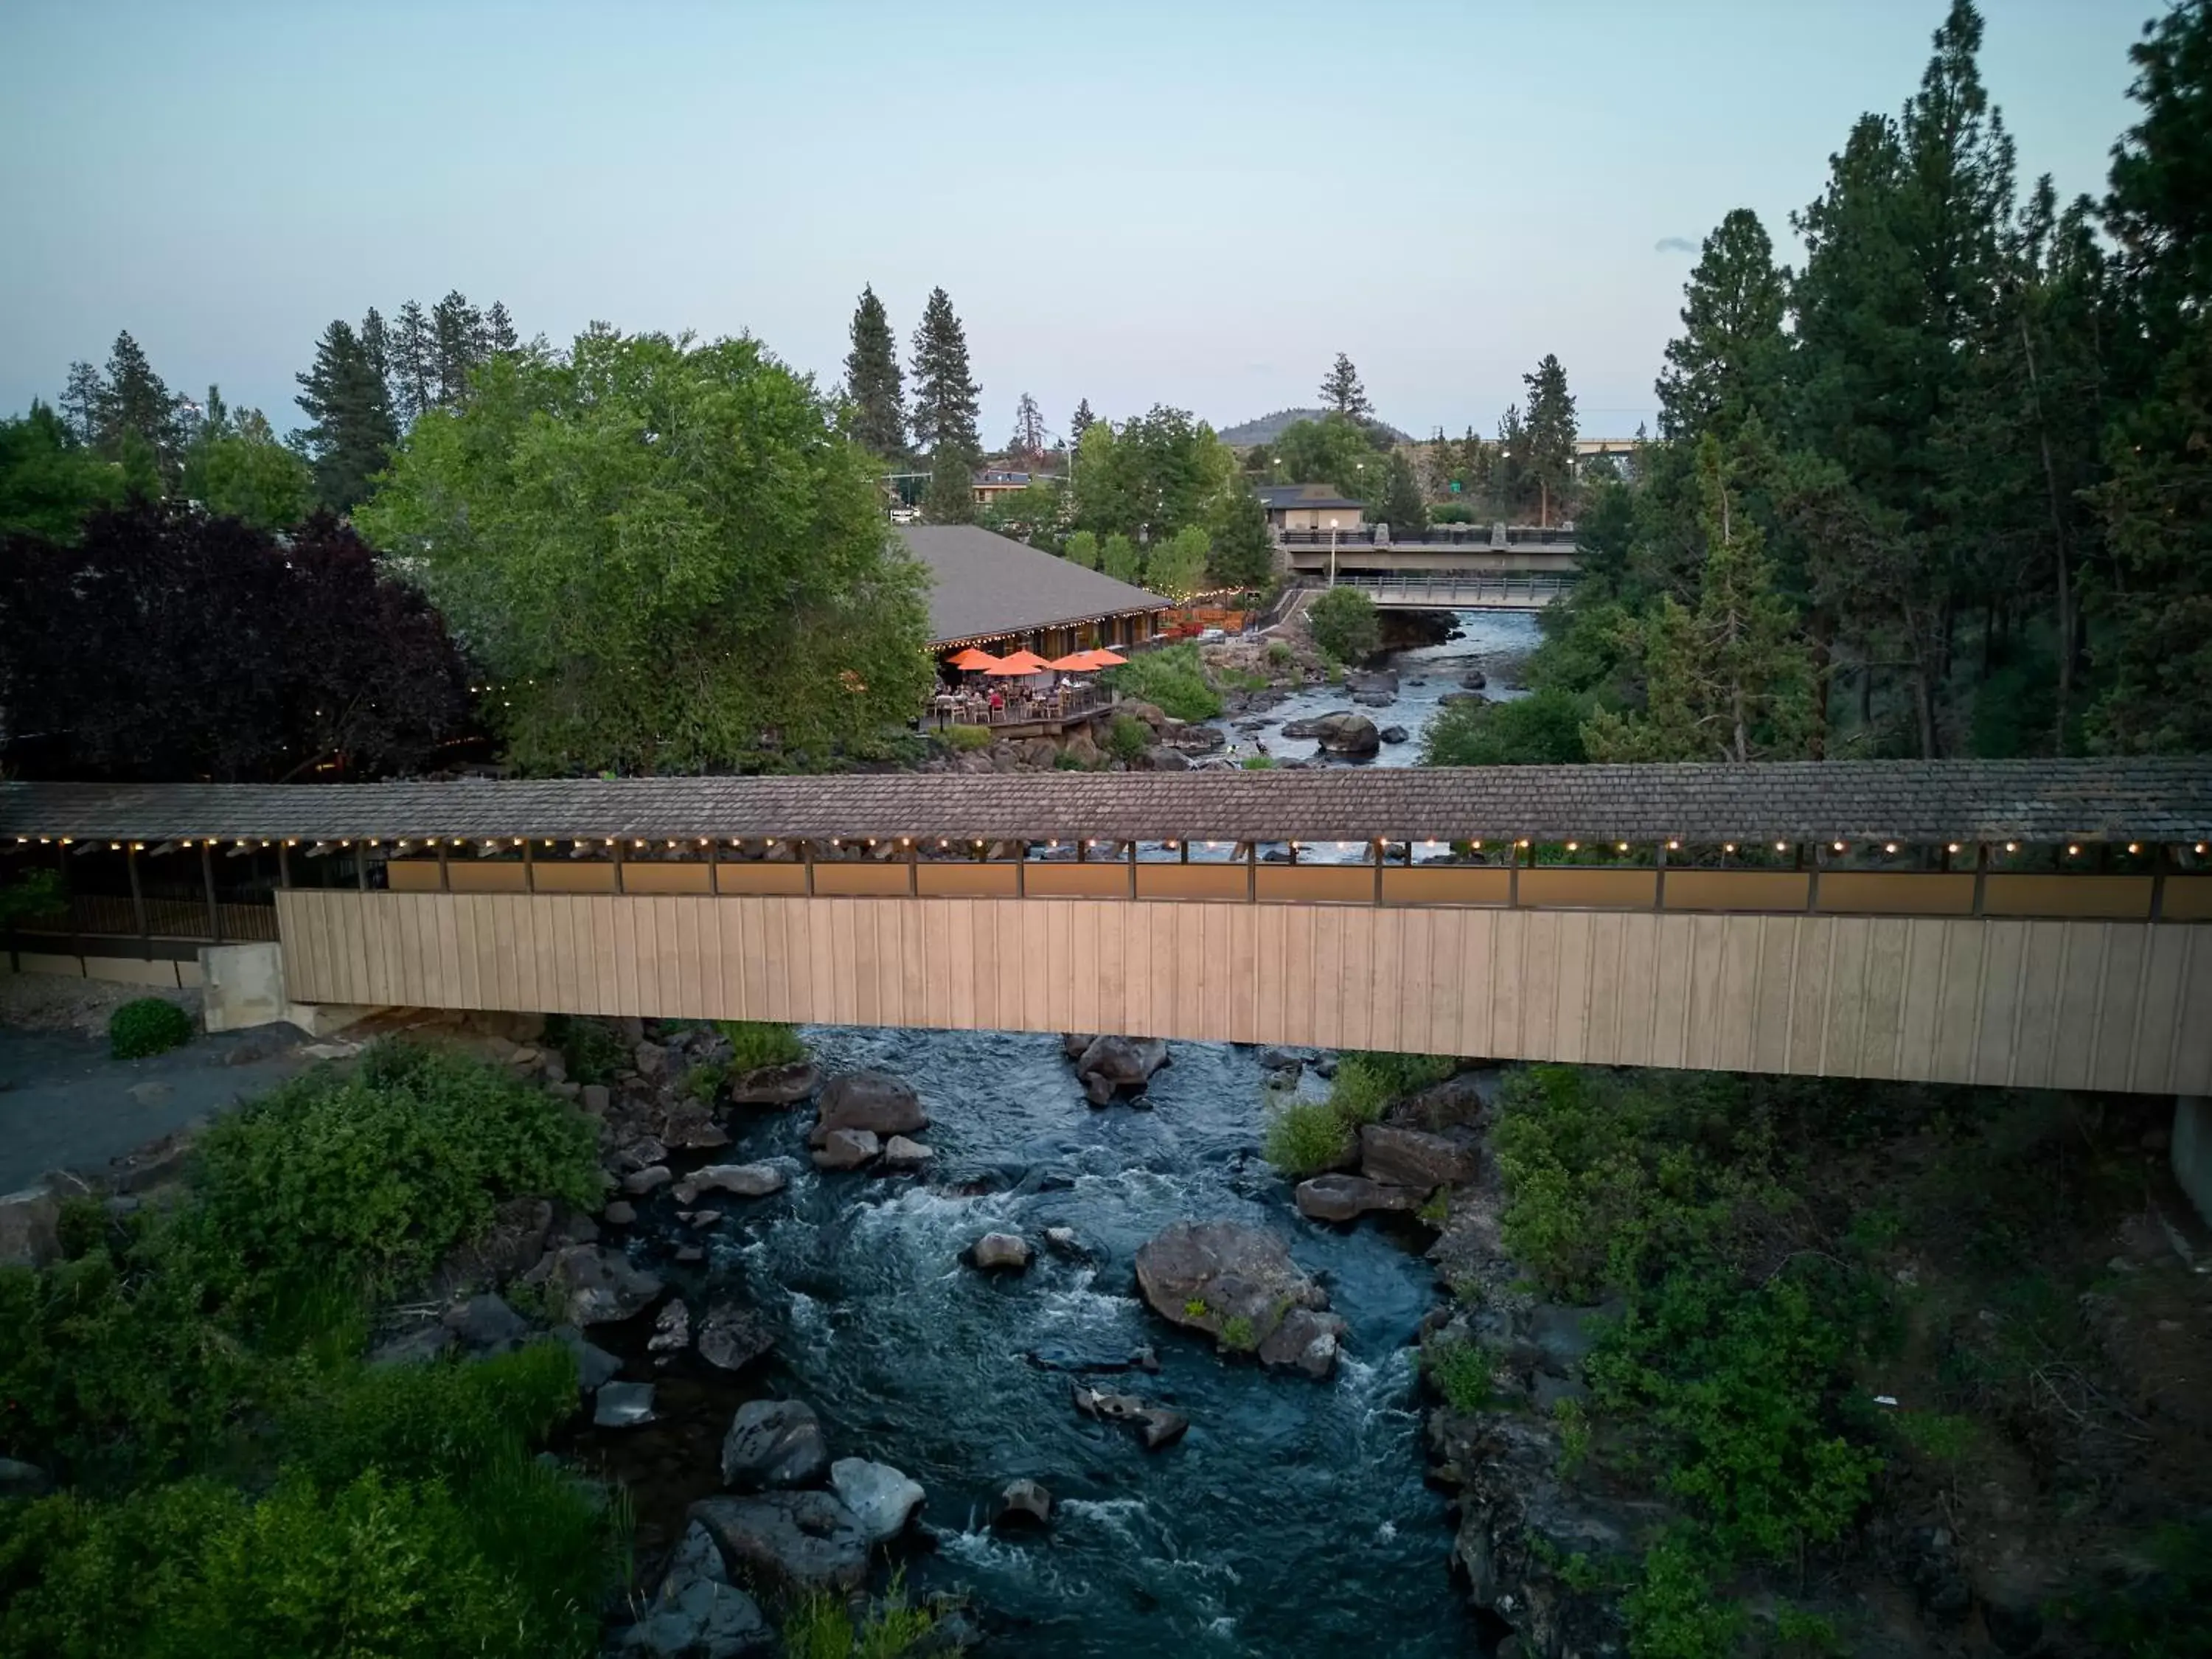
974 657
1102 657
1074 663
1022 662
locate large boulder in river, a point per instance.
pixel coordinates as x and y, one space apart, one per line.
697 1614
788 1540
1311 728
599 1286
773 1442
774 1085
731 1337
1001 1253
1348 1197
881 1104
30 1229
739 1179
1109 1065
1239 1285
846 1149
881 1498
1347 734
1412 1157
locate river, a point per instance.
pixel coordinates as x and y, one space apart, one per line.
1291 1519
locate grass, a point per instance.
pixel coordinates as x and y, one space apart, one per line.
755 1043
819 1625
1305 1137
1259 762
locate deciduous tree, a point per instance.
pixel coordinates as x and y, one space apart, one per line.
49 480
170 644
1118 558
1243 550
1177 566
1401 507
733 596
1345 625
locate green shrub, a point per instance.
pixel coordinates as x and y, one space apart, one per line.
370 1178
1128 738
32 897
1544 728
1672 1613
967 739
1345 624
757 1043
2160 1604
1279 654
1173 678
819 1625
1259 762
1237 1332
589 1051
1064 762
425 1422
1305 1137
1368 1083
147 1025
1460 1369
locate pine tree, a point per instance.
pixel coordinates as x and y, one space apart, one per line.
414 364
1729 361
951 497
1510 485
1341 392
2157 505
1550 465
1731 681
873 383
499 329
376 345
1244 549
945 396
134 404
1078 424
1027 444
457 333
1403 510
353 431
82 394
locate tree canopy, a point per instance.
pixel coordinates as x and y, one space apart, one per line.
169 644
873 383
946 398
48 479
666 556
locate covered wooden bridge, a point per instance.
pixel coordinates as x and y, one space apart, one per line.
2031 923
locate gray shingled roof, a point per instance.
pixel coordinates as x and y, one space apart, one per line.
991 584
1307 495
1922 801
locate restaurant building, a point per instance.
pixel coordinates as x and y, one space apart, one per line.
996 594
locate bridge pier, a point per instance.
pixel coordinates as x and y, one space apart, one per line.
2192 1151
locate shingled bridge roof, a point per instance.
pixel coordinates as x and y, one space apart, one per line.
2032 801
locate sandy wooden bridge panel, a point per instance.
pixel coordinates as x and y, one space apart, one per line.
2064 1003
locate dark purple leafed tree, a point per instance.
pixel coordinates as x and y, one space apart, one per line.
170 645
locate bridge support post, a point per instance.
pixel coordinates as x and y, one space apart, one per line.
138 898
445 874
207 882
619 886
807 858
1981 874
1513 874
530 868
1251 872
913 870
2191 1150
1659 882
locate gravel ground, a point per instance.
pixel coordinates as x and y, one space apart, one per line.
57 1002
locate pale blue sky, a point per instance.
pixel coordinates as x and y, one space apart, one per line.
1195 203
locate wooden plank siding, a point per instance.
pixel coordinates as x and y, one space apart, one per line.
2063 1003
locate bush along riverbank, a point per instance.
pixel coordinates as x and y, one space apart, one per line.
329 1388
1773 1366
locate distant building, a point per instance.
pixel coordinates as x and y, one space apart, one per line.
1004 596
990 485
1308 506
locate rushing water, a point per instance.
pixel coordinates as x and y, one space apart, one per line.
1291 1519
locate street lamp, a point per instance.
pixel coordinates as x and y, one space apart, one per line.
1332 552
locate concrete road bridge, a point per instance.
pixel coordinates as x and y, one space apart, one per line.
1465 590
2030 923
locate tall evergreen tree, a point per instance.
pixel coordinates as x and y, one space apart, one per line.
1079 422
414 363
2157 504
951 495
1550 464
873 383
945 397
1731 681
1342 394
499 329
138 414
353 431
1027 444
376 345
1402 508
1728 361
82 396
457 336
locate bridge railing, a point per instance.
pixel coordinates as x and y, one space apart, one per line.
1498 538
1475 586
